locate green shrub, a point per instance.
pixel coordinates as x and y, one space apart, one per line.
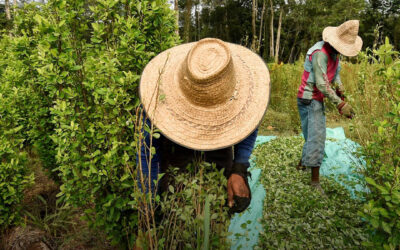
30 102
14 178
75 67
93 53
382 171
14 174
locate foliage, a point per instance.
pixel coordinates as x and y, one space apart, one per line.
295 215
14 179
283 104
382 171
53 221
73 68
27 104
93 78
14 174
194 212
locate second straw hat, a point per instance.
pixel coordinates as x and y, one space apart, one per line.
206 95
344 38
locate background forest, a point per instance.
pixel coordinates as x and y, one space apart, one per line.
283 30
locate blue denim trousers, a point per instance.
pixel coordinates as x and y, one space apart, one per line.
313 125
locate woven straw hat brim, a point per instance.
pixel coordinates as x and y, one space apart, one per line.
329 35
198 127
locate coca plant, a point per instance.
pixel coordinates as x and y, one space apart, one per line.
382 172
81 63
93 55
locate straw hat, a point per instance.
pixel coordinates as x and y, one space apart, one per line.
206 95
344 38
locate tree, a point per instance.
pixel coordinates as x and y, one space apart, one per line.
7 7
271 38
253 25
278 35
176 8
188 21
261 27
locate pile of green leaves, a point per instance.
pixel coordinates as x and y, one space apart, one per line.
296 216
382 171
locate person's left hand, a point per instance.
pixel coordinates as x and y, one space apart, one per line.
238 193
346 110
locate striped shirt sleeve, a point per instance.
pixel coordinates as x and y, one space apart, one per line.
320 62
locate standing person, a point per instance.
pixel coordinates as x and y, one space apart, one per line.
321 70
205 96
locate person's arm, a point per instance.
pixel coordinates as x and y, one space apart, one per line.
337 79
239 193
243 149
338 84
143 159
320 62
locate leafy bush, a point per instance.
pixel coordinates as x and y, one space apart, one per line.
382 171
14 179
75 67
95 52
14 174
295 215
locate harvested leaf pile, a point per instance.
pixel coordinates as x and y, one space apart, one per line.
295 215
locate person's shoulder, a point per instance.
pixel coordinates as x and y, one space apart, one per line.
319 55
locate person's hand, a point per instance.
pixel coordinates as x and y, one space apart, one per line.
238 194
346 110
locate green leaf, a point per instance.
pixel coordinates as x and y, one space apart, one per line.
76 67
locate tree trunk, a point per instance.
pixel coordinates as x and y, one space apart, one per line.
187 24
278 36
261 27
15 6
7 7
226 21
266 30
253 24
290 60
196 26
271 37
176 8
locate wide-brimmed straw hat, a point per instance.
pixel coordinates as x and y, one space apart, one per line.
206 95
344 38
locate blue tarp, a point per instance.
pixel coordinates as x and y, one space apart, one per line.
339 162
246 237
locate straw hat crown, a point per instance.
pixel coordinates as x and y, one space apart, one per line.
344 38
207 73
205 95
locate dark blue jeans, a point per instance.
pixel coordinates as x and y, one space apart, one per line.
313 125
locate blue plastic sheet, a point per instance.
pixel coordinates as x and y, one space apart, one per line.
245 227
339 162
